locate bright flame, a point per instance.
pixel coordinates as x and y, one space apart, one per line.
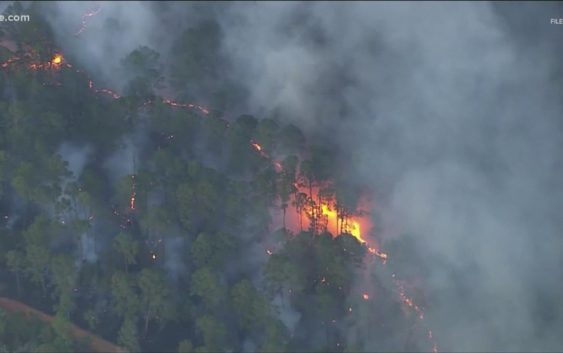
383 256
57 59
352 226
355 230
154 256
132 202
365 296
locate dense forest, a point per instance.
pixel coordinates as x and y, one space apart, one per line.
163 224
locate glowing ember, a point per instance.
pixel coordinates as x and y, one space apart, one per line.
8 62
278 166
418 310
85 17
172 103
365 296
260 150
133 193
132 202
57 59
256 146
383 256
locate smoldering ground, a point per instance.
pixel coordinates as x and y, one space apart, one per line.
451 111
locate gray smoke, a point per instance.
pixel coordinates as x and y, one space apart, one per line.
451 111
75 156
449 114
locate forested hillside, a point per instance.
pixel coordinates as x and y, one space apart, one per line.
164 224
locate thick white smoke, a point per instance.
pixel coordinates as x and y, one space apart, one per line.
451 111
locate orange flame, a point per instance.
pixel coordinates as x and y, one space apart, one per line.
57 59
172 103
383 256
84 21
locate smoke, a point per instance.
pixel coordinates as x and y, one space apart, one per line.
115 30
111 34
288 316
173 261
75 156
449 114
451 111
123 161
88 247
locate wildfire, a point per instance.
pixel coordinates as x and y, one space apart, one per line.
109 92
258 148
278 166
33 62
8 62
57 59
321 215
383 256
418 310
133 194
85 17
172 103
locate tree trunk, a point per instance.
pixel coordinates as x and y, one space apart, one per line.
147 319
18 284
337 214
43 287
284 209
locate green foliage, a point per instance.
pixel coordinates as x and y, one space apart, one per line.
21 333
128 336
251 308
127 247
291 139
211 250
207 286
276 338
154 296
214 334
37 254
185 346
91 319
126 301
266 133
